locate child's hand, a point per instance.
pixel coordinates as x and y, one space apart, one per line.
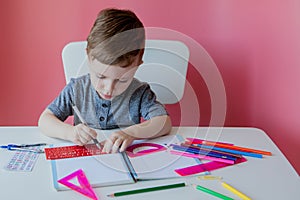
118 141
82 134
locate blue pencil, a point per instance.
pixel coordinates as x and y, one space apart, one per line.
203 152
256 155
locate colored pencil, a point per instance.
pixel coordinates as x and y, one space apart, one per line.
255 155
211 149
237 148
199 141
150 189
203 152
235 191
191 155
209 191
209 177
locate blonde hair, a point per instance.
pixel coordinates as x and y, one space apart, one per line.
116 37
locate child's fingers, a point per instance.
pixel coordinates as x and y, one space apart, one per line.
78 142
102 143
84 134
77 139
91 132
84 138
107 146
125 144
116 145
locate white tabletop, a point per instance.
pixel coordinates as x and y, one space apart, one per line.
269 178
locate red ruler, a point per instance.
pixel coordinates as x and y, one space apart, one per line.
72 151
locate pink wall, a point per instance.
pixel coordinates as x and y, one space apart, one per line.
255 45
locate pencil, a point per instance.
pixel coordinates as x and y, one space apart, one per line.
202 157
235 191
150 189
209 191
202 151
237 148
255 155
212 150
84 122
199 141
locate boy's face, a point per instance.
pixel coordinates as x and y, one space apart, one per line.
111 80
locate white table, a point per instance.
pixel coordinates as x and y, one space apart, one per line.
269 178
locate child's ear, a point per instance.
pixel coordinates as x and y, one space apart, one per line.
142 52
141 62
141 56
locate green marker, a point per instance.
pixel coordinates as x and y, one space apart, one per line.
164 187
216 194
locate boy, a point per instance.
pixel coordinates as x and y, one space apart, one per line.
109 96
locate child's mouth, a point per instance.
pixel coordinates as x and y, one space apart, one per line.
107 96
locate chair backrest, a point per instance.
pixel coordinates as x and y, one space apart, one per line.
164 68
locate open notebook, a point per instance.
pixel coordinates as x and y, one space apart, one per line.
119 168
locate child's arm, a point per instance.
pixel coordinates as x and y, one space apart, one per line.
155 127
51 126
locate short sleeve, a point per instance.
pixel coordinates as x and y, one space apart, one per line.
61 107
150 107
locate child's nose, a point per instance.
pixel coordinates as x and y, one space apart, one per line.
109 86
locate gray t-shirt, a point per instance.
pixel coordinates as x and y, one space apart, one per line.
136 102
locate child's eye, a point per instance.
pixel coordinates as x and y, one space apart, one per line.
122 81
100 77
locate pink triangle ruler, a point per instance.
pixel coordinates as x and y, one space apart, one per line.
84 188
210 166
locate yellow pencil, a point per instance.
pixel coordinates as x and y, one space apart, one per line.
235 191
208 177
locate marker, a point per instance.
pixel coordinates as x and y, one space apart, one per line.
24 147
84 122
216 194
235 191
150 189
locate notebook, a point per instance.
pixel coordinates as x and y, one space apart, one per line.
126 167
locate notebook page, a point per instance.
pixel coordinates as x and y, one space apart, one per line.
161 164
100 170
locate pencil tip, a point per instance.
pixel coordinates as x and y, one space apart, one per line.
99 146
110 195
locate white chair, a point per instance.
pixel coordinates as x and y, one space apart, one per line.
164 68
